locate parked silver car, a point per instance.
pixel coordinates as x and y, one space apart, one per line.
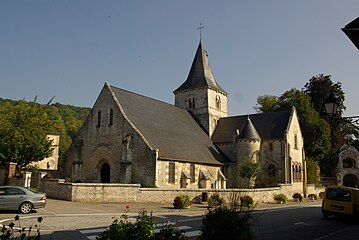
20 198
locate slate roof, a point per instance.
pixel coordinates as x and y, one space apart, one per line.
168 128
268 125
249 131
200 74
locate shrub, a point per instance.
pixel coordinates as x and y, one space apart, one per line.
142 229
170 232
181 202
246 201
215 200
228 224
313 196
281 197
8 232
321 195
298 196
48 176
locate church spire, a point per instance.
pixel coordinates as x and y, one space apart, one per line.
200 74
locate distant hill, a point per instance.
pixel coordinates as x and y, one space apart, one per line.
67 120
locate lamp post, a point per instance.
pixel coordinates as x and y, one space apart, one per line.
331 107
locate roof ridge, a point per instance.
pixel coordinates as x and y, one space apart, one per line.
144 96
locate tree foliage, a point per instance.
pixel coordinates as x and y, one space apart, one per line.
322 135
318 89
24 126
267 103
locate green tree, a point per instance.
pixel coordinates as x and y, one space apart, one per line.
249 169
318 89
267 103
65 120
23 133
315 130
313 171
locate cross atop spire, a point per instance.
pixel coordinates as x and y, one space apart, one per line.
200 31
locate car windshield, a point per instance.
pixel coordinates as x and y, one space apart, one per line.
339 195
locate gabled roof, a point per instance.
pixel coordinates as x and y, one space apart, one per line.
170 129
249 131
272 125
200 74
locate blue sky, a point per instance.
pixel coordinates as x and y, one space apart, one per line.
68 49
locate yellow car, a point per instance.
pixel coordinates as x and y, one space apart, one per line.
339 200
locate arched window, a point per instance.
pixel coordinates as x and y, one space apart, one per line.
171 172
294 173
111 117
295 141
99 119
271 147
192 173
348 163
218 102
191 103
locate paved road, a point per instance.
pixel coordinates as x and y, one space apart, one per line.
302 222
69 220
72 220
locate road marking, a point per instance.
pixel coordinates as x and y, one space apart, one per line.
157 230
93 230
91 234
193 233
332 234
302 223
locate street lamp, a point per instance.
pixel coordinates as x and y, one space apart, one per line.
331 107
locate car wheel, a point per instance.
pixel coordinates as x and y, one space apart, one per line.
25 207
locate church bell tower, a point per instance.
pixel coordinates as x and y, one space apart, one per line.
201 95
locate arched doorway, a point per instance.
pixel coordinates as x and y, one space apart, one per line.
350 180
105 173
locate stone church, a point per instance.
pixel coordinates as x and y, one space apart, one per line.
130 138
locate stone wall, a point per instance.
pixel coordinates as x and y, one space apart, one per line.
97 192
184 168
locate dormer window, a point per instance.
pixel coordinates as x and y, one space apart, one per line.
218 102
